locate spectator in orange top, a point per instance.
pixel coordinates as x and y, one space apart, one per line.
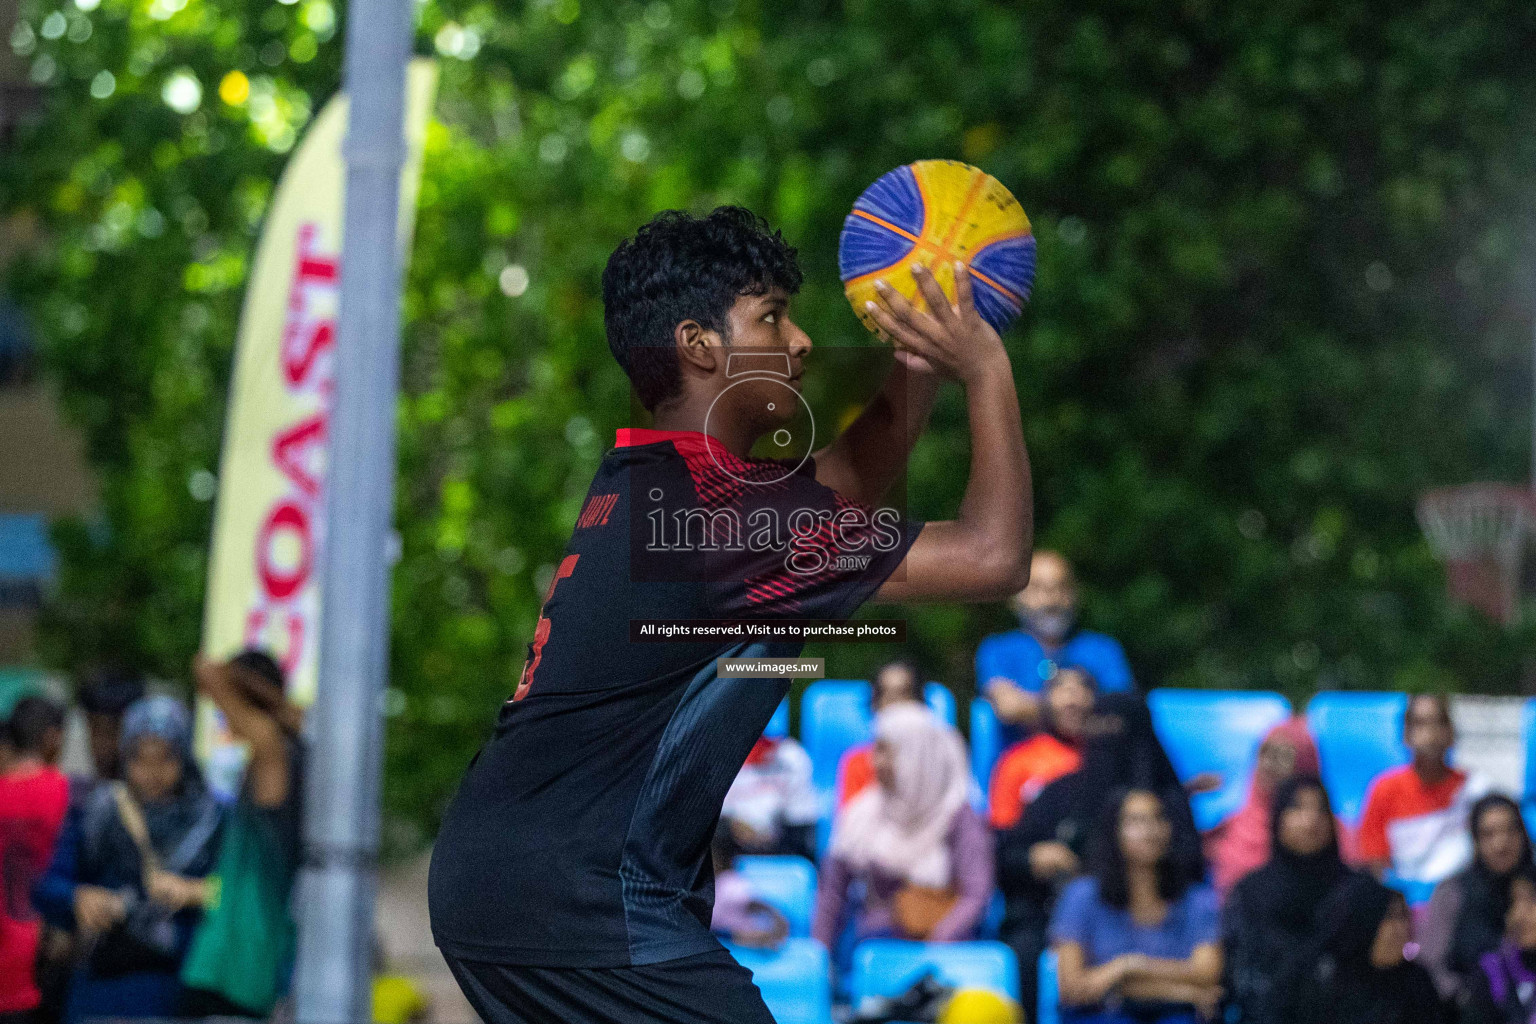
1028 766
896 681
1415 820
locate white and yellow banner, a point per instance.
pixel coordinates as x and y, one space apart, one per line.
263 577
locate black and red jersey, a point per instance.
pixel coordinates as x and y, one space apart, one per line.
580 835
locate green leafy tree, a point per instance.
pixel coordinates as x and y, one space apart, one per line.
1279 293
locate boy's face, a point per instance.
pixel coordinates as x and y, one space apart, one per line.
759 378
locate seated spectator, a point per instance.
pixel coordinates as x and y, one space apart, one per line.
1241 843
1415 820
33 797
242 952
896 681
1012 667
127 874
923 854
1046 848
104 697
739 916
1355 972
1503 989
1028 766
1136 940
1273 912
771 806
1465 916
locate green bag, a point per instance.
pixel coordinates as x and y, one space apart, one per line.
243 947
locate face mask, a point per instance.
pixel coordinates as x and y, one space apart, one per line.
1049 624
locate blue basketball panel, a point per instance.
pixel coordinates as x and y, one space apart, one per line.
995 307
895 197
1010 262
865 247
1359 736
1216 731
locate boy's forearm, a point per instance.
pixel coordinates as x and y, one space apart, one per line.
998 498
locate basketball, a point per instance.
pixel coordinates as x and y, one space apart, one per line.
980 1006
935 212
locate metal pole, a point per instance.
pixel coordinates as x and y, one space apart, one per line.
332 981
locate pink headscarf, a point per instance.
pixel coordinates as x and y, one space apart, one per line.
904 831
1241 843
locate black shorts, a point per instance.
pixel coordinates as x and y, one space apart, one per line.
707 988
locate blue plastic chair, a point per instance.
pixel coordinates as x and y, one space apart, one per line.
986 741
888 967
991 925
834 715
1048 1010
1528 731
778 725
1216 731
795 980
1359 736
26 554
786 883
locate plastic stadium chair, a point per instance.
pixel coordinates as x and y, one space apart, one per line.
1216 731
941 701
1048 1010
795 980
986 741
992 921
787 883
1528 732
834 715
778 725
1359 736
888 967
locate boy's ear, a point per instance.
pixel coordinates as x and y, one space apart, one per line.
698 346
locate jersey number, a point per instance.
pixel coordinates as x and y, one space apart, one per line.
541 632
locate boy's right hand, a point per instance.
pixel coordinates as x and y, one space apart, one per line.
953 339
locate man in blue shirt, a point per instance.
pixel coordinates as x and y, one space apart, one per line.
1012 667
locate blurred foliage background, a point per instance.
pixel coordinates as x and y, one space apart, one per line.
1285 283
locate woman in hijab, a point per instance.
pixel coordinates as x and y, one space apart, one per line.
1045 850
1241 843
1465 917
922 853
1503 989
128 873
1354 971
1273 912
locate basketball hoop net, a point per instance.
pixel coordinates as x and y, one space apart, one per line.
1480 532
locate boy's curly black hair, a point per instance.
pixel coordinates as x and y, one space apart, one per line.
680 267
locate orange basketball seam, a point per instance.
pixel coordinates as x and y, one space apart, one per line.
978 179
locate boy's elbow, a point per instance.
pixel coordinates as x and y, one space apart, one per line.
1004 573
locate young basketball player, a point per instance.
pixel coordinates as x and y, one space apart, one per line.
570 882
